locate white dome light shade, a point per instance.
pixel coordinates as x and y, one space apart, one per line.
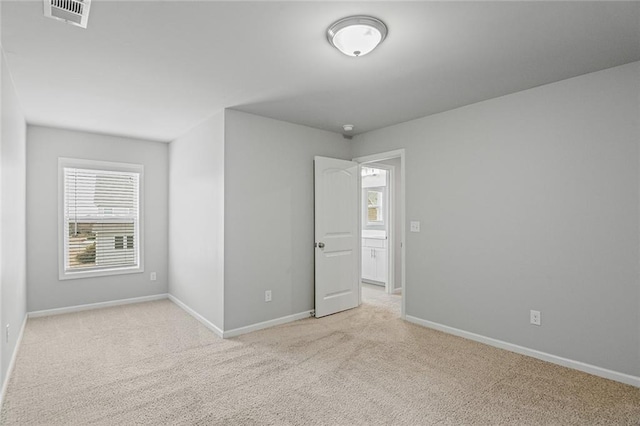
357 35
357 40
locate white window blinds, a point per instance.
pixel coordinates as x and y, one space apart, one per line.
101 219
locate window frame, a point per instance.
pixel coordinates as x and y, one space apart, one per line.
380 206
63 163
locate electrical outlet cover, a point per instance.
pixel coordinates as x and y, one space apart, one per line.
534 317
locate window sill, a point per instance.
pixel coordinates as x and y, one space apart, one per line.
99 273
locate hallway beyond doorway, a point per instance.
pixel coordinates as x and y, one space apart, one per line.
375 295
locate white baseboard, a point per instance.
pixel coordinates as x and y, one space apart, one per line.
241 330
13 360
266 324
397 290
554 359
211 326
77 308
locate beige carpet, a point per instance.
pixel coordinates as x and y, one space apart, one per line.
152 363
377 296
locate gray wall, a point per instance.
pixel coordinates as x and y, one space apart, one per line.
44 146
269 215
196 219
529 201
12 219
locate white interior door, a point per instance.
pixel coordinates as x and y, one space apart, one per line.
336 235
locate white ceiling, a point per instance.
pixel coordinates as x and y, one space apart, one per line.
155 69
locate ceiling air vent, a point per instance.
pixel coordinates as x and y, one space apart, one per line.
74 12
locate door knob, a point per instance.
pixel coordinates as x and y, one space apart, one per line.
321 245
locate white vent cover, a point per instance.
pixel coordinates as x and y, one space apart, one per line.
74 12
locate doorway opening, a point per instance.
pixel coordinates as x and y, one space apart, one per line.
382 231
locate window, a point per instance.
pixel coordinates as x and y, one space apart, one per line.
119 242
374 206
374 182
100 218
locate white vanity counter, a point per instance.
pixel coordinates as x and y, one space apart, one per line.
375 234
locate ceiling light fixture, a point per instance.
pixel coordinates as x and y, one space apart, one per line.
357 35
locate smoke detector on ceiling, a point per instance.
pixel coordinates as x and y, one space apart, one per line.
74 12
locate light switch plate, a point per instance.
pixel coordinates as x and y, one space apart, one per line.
415 226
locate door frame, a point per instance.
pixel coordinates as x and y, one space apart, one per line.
389 286
398 153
